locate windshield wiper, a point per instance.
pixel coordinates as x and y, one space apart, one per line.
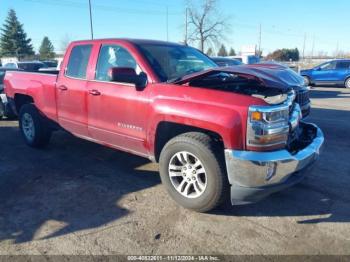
173 80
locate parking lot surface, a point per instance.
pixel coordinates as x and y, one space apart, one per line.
76 197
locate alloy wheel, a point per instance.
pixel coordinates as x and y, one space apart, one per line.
187 174
28 126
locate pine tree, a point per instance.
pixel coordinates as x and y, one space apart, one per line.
46 50
222 51
232 52
13 39
210 52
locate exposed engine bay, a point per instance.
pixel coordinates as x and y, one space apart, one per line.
242 85
272 83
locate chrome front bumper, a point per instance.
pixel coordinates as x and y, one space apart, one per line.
255 175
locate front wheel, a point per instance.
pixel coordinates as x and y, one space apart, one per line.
33 126
347 83
192 170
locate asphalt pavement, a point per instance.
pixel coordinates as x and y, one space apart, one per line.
76 197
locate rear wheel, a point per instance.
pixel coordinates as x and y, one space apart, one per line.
347 83
33 126
192 170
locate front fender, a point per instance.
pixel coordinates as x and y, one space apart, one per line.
227 123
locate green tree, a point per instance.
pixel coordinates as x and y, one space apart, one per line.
222 51
46 50
284 55
13 39
210 52
232 52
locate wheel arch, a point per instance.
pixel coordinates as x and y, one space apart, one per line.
21 99
167 130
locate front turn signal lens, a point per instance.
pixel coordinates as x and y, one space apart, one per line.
256 116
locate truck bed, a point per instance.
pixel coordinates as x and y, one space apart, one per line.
41 86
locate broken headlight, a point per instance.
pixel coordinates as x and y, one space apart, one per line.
268 126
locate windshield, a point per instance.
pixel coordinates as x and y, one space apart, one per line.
172 62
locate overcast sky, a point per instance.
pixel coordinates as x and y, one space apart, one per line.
284 23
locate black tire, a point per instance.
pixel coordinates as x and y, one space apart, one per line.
212 157
42 133
347 83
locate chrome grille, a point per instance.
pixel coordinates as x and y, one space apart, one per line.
302 97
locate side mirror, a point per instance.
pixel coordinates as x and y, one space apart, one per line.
318 69
128 75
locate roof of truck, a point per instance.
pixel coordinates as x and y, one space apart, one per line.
130 40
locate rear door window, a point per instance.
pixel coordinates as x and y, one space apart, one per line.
78 61
343 65
328 66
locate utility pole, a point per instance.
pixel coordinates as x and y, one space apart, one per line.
313 47
337 50
259 40
186 27
167 23
304 46
91 27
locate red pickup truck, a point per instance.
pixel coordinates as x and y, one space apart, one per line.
215 131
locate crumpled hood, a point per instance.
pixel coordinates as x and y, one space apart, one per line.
270 75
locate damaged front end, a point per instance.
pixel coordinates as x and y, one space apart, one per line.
280 146
255 175
271 84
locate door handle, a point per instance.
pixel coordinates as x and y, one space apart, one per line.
94 92
63 88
